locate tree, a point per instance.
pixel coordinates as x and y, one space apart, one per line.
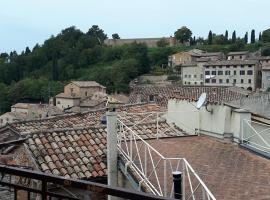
226 36
115 36
183 34
266 36
97 33
252 37
233 37
210 38
246 38
27 51
260 37
162 42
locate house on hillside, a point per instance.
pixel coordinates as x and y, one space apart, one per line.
240 55
76 92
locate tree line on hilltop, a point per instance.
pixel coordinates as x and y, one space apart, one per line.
36 74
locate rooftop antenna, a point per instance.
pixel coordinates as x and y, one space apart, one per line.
203 101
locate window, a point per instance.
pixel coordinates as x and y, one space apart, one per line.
7 119
207 67
249 80
185 82
249 72
85 93
232 57
214 80
201 83
234 66
58 102
151 98
242 80
220 67
195 83
234 72
220 80
189 76
207 80
185 75
201 75
214 73
234 80
220 72
195 76
189 83
227 81
214 67
240 57
250 66
242 66
71 90
227 66
207 72
242 72
227 72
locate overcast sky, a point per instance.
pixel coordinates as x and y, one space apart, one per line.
27 22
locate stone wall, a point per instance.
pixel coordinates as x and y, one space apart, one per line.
150 42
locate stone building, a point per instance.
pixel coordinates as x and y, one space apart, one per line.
240 73
77 91
240 55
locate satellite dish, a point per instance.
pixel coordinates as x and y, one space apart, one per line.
201 100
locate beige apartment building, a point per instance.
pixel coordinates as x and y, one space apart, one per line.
192 74
77 91
241 73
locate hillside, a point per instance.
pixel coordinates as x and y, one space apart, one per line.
36 74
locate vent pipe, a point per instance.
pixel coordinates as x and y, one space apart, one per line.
177 183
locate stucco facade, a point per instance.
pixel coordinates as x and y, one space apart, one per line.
265 79
192 74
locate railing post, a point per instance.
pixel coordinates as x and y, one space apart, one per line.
177 183
112 149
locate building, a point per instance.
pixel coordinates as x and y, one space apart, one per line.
240 55
77 91
28 111
194 55
240 73
192 74
150 42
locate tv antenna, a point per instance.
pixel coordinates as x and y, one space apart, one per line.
203 101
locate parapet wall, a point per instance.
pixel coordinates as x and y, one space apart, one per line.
150 42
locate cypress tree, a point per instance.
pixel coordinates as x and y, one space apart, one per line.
210 38
260 37
252 37
226 36
234 37
246 38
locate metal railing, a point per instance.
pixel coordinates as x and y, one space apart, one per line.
20 181
154 171
256 135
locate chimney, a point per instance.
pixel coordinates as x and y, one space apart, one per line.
112 149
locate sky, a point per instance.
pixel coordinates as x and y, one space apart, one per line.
27 22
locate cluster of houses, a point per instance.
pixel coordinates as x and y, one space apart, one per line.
242 69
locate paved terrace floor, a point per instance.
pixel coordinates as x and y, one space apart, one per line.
229 171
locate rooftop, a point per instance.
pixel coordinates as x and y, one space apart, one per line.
229 171
163 93
237 53
87 84
232 62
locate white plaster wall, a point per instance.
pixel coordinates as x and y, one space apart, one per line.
222 120
19 110
65 103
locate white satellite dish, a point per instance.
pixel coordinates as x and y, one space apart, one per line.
201 100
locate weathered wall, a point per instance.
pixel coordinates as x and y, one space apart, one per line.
150 42
152 79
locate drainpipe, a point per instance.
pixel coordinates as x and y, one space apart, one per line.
177 183
112 149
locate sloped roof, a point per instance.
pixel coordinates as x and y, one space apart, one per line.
163 93
231 62
237 53
81 153
87 84
229 171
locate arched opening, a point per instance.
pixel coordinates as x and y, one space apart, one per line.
249 88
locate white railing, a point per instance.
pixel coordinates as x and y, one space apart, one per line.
154 170
176 127
256 135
